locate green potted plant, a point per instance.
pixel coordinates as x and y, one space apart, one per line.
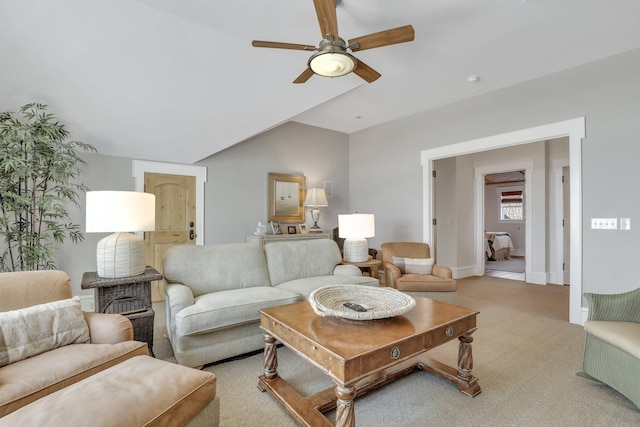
38 171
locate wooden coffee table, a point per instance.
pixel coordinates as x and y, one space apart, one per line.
362 355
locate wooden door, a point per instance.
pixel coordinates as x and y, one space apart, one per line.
175 219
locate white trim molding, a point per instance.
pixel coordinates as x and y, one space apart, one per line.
200 172
575 130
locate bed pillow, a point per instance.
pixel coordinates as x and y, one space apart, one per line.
40 328
413 265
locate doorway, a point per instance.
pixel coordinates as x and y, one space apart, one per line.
175 220
504 224
199 174
575 130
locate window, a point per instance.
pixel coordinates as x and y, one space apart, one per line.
511 204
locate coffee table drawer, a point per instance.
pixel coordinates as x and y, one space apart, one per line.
297 343
446 333
390 355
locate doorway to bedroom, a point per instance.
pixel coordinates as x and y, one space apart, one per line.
504 224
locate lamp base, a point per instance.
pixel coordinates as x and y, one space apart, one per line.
120 255
355 250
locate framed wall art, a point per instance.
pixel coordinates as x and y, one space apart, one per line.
286 194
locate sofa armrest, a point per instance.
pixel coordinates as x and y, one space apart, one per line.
346 270
179 296
391 274
108 328
442 271
624 307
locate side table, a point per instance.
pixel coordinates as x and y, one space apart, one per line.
129 296
372 265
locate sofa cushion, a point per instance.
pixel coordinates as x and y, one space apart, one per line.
413 265
233 266
219 310
141 391
425 282
30 379
33 330
306 285
623 335
302 258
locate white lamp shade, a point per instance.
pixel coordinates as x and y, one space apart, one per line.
356 226
120 254
118 211
316 198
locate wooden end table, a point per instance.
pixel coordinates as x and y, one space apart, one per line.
372 265
129 296
362 355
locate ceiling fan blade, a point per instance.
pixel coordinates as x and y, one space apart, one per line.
384 38
279 45
306 75
326 11
366 73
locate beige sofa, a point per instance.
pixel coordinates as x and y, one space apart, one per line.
214 292
101 378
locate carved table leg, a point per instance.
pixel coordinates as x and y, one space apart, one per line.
270 357
345 414
465 365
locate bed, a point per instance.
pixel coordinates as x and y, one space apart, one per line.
498 245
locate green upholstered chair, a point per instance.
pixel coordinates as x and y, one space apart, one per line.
612 342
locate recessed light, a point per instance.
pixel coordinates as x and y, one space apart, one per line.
473 79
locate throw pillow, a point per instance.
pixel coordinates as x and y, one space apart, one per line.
413 265
40 328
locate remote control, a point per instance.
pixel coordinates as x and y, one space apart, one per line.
355 307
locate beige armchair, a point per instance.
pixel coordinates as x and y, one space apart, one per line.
410 271
28 380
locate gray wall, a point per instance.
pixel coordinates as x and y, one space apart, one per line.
237 187
606 92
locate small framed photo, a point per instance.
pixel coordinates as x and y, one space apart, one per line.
303 229
291 229
275 227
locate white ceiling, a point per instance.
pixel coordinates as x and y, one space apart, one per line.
178 80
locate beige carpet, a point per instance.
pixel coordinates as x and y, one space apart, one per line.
525 362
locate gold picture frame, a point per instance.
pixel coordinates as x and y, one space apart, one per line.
286 195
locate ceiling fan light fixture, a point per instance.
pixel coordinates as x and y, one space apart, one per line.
329 64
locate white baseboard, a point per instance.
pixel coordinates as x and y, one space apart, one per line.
537 278
517 252
462 272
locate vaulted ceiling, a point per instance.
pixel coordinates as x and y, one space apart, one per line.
177 81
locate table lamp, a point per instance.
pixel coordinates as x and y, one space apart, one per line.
120 254
356 228
316 198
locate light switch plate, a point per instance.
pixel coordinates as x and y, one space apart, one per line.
625 223
604 223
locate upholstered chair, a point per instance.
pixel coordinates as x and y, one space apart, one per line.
612 342
409 267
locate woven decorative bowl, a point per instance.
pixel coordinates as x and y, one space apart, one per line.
381 303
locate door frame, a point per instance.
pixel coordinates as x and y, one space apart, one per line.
140 167
575 130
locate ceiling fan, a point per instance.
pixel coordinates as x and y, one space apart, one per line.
332 58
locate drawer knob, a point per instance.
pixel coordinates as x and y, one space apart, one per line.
449 331
395 353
